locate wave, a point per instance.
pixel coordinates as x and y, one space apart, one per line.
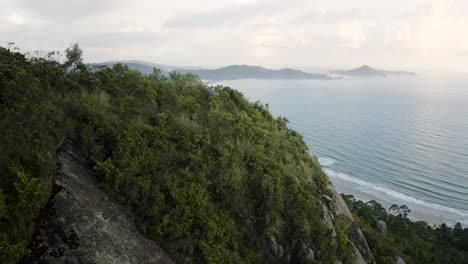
324 161
377 190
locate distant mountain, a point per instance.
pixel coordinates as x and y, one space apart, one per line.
234 72
144 66
367 71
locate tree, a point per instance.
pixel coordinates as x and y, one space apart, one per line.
74 56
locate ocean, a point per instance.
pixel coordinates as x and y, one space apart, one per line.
396 140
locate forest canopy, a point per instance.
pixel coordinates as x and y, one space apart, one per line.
209 175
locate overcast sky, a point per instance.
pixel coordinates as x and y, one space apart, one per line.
396 34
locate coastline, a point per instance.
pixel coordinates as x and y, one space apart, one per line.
433 217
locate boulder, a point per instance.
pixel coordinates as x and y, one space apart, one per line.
280 251
276 249
306 254
382 227
274 245
399 260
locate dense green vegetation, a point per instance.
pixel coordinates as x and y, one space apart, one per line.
210 175
414 241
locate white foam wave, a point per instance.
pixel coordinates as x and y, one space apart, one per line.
377 190
325 161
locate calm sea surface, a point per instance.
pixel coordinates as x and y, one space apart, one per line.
393 140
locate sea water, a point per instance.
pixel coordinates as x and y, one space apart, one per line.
394 140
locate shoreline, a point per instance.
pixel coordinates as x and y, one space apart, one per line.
433 218
431 213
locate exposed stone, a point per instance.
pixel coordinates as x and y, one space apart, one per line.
306 254
358 258
280 251
80 225
382 227
399 260
356 235
273 245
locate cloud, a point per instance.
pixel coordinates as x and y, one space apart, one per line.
16 19
387 34
68 10
353 33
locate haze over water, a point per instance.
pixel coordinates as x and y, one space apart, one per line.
393 140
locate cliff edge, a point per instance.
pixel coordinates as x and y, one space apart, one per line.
81 225
335 206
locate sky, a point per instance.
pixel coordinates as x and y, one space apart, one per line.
308 34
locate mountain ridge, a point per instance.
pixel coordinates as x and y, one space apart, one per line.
368 71
244 71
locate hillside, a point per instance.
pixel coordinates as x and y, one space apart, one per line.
367 71
208 175
203 173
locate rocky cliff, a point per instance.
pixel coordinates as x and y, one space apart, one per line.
335 206
81 225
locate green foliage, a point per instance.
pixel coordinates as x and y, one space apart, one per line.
345 248
33 124
12 253
208 174
415 242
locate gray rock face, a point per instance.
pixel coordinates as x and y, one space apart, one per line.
81 225
382 227
280 251
273 245
329 220
306 254
356 235
358 258
399 260
276 248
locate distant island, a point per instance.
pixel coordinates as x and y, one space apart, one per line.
367 71
236 72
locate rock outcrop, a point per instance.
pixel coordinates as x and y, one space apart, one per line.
339 207
399 260
382 227
306 254
276 249
81 225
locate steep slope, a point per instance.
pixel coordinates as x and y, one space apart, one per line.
338 207
81 225
208 175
